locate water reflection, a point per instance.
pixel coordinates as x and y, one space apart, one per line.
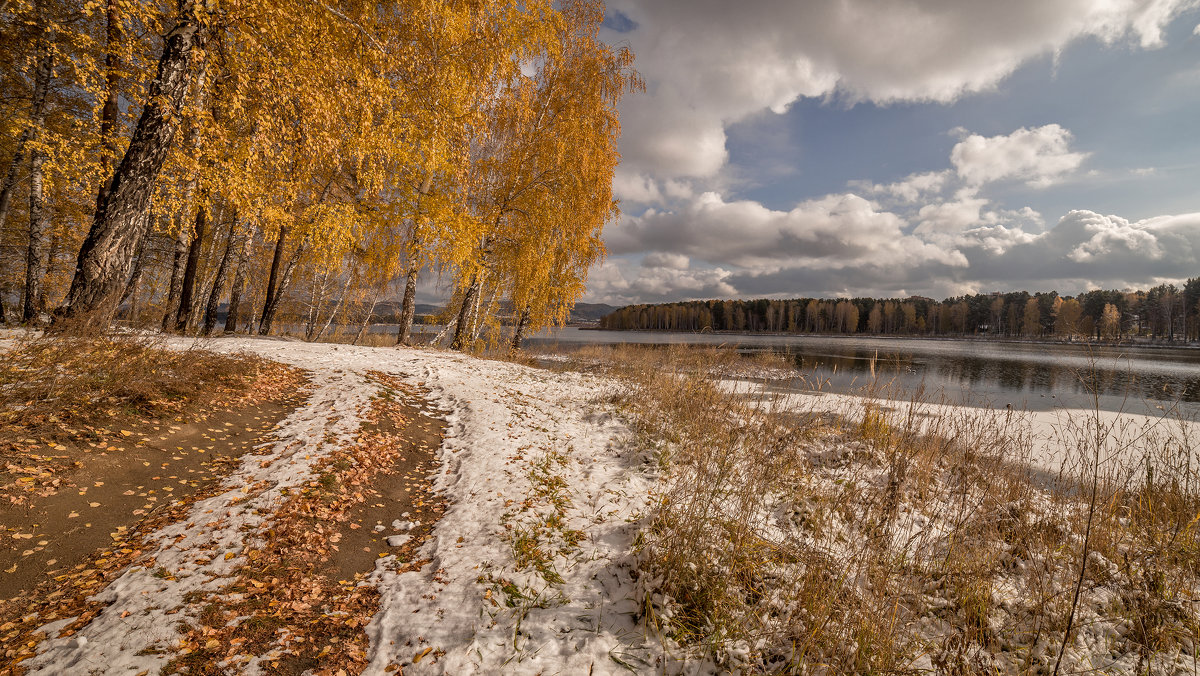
1036 376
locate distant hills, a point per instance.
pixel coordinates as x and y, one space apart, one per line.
589 313
388 312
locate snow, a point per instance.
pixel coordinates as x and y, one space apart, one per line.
517 437
532 567
1053 435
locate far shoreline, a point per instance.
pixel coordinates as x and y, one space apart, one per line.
1126 343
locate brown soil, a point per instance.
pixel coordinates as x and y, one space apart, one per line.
302 585
403 489
113 484
114 487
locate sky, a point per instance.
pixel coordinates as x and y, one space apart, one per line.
888 148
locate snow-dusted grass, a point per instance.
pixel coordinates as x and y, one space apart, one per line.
887 535
529 570
644 516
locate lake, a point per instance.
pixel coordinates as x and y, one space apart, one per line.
1036 376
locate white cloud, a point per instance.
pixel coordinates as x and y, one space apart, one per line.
1083 250
827 232
932 233
909 189
1040 157
670 261
1111 235
709 63
637 188
648 283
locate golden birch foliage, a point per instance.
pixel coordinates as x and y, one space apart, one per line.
468 135
546 186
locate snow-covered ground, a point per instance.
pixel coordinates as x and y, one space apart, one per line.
530 456
531 567
1054 436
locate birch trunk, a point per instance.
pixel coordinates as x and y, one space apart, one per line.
519 332
362 328
268 311
10 179
218 286
35 252
108 115
187 290
181 247
272 302
478 321
408 309
107 252
336 308
139 268
239 286
461 331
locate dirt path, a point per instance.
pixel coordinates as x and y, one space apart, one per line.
293 600
301 606
372 529
115 487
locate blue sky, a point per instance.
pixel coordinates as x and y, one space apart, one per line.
893 148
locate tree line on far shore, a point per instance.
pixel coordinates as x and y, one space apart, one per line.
1165 312
297 162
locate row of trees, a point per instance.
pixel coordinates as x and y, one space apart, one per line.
297 160
1164 312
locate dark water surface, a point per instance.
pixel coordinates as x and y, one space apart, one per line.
1037 376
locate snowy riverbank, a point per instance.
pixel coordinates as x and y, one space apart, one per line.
590 516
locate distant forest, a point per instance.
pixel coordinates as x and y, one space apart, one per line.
1166 312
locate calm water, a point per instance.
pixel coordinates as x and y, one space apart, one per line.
1034 376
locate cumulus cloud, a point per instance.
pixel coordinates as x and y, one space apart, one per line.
822 233
634 187
708 64
1083 250
649 284
1040 157
1086 249
940 237
910 189
669 261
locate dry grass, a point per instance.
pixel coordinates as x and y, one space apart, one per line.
51 384
73 390
899 536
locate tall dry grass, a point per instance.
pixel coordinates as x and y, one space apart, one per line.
888 534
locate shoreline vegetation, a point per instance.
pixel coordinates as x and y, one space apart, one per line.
894 535
691 518
1163 312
